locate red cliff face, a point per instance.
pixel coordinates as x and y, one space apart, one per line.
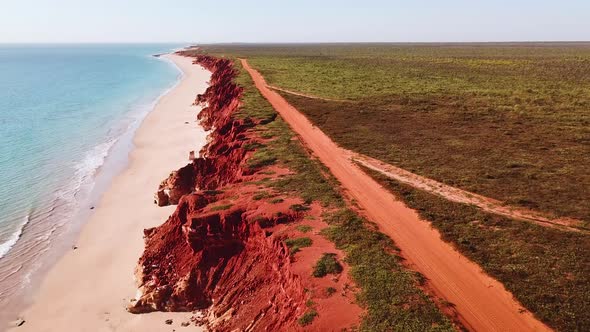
220 160
218 250
228 261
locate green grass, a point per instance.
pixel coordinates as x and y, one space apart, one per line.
512 117
389 291
402 305
299 207
260 158
547 270
296 244
304 228
221 207
260 195
509 121
253 146
327 264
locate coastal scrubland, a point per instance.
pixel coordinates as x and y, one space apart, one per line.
545 268
508 121
391 295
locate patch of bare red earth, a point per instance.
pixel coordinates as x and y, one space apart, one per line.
223 250
481 302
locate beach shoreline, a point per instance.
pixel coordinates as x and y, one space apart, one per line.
89 288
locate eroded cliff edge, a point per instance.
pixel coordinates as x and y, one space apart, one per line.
224 249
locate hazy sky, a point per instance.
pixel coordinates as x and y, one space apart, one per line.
292 21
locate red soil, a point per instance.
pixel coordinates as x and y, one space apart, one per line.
223 250
482 303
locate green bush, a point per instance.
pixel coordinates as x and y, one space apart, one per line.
261 158
299 207
328 264
296 244
304 228
307 317
260 195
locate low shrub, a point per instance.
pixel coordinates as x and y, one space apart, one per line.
296 244
307 317
328 264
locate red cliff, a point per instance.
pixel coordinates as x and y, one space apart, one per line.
224 258
221 160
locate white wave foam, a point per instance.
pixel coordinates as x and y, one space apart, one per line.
6 246
94 159
85 170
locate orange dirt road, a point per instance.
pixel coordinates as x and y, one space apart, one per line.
482 303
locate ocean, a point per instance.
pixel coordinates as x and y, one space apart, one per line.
67 112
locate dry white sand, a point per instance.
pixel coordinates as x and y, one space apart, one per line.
89 288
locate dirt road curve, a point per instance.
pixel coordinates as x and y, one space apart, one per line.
303 95
461 196
482 303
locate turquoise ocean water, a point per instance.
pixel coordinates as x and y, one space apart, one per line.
63 109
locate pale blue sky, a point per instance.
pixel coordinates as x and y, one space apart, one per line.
292 21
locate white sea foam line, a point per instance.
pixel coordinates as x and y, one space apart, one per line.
88 167
28 254
93 160
6 246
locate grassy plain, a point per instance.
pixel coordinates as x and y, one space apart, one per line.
548 270
509 121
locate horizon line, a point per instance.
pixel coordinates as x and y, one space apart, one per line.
287 42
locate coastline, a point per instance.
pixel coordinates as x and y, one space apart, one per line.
90 287
55 211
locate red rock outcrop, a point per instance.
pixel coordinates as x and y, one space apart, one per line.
208 254
178 184
220 161
228 261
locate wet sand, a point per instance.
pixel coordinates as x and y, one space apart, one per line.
89 288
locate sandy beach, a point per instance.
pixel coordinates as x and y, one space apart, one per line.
89 288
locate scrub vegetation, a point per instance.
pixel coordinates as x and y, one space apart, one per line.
328 264
548 270
391 294
296 244
508 121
